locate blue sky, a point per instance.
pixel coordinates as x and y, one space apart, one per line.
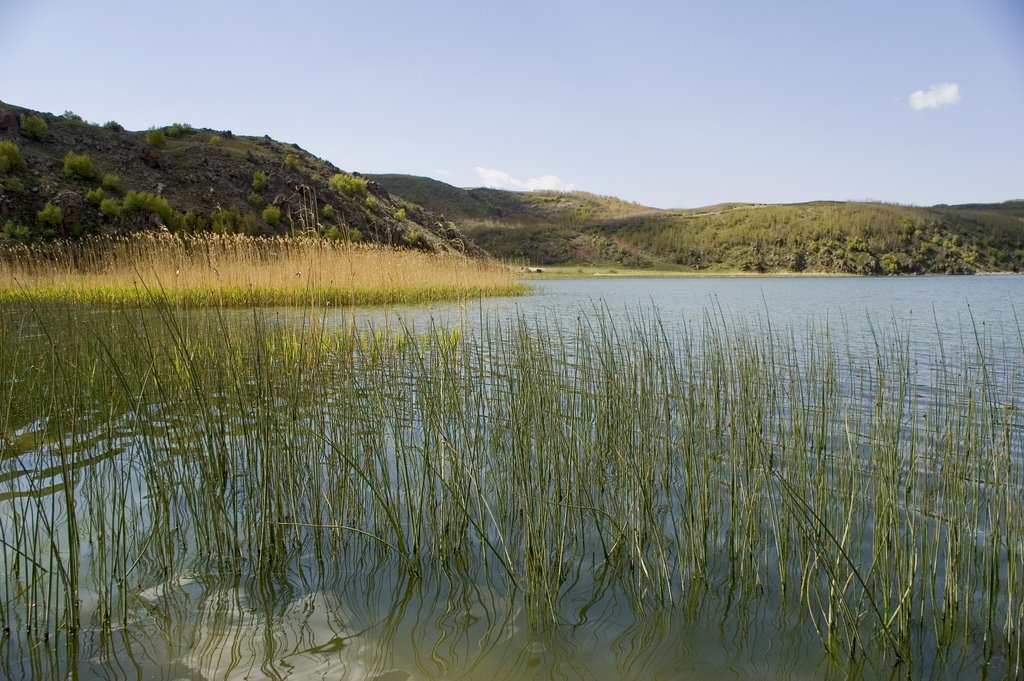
670 104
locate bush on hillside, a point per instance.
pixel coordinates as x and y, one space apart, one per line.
110 208
111 183
34 127
78 165
349 185
259 181
272 215
49 216
177 130
155 138
149 203
11 160
15 232
13 185
94 197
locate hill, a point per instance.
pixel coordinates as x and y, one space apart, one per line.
545 227
63 177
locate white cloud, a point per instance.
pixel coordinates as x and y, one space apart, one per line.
499 179
936 96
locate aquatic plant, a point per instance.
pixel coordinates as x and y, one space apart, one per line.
865 501
238 271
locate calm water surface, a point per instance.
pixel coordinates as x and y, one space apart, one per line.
375 622
924 307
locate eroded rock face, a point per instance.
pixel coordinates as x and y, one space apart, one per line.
153 158
9 120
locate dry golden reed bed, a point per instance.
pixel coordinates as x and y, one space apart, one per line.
237 270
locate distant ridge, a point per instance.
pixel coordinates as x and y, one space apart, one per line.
547 227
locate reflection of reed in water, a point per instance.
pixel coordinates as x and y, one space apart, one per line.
215 629
506 501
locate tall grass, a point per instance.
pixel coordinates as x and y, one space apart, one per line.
241 271
865 502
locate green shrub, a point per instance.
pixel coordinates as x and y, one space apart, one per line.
259 181
292 161
215 139
111 183
327 211
256 200
415 239
155 138
349 185
49 216
251 225
371 202
110 208
72 116
890 263
401 214
15 232
94 196
11 160
178 129
78 165
34 126
149 203
272 216
113 125
222 222
193 222
13 184
333 233
355 235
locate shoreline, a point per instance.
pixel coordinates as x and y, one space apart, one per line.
588 272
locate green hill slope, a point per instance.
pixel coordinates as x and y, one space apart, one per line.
825 236
63 177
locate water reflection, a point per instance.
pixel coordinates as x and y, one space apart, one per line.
570 500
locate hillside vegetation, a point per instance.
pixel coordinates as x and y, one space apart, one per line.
546 227
61 177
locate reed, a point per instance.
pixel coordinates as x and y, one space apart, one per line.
867 502
239 271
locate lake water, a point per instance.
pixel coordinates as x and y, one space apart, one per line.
925 307
346 607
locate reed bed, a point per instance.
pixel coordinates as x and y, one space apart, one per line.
240 271
861 502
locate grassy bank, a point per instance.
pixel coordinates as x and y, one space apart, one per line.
241 271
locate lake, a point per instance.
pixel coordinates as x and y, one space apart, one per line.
610 478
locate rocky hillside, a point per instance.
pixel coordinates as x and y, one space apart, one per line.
826 236
61 177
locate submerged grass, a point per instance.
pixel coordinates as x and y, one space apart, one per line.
239 271
871 503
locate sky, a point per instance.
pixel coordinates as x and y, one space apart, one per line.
669 104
